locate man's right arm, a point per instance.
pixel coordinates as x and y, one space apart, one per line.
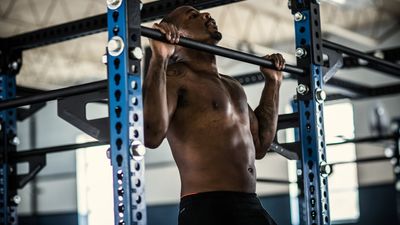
158 105
156 119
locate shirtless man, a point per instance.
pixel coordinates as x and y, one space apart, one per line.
214 135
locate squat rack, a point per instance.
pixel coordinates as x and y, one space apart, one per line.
122 21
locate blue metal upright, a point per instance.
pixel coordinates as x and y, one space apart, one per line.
312 167
125 111
8 141
396 167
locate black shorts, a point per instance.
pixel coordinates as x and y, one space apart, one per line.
223 208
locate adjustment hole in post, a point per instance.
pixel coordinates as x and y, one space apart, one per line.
118 142
118 111
309 151
117 79
115 16
117 95
119 160
118 127
116 63
311 177
310 164
135 117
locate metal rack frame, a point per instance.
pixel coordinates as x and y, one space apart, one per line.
125 100
126 112
313 199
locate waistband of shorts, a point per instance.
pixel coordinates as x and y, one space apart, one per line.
219 195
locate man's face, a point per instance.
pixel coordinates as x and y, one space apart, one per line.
198 26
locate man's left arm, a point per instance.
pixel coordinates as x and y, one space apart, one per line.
264 119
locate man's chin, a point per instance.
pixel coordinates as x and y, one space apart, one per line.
216 35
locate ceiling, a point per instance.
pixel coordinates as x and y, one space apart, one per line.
257 26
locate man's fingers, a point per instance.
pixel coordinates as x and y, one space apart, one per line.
160 28
172 33
175 34
166 30
169 33
277 59
281 62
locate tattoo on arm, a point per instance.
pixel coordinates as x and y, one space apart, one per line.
267 116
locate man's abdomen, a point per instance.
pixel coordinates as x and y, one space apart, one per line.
219 159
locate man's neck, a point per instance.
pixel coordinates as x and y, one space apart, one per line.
198 60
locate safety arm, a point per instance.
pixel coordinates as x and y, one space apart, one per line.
267 116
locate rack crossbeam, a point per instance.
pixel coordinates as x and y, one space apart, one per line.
96 24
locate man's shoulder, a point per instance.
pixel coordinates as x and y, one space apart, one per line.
227 77
230 79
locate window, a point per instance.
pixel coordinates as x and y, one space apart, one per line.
94 185
343 182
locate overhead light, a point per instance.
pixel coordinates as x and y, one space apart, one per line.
352 3
342 2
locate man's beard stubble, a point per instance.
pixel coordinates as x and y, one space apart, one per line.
216 35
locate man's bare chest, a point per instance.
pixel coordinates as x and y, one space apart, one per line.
212 95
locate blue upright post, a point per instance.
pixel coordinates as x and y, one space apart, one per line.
312 169
8 139
396 166
125 111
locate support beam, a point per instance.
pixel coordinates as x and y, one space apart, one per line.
361 161
245 79
364 140
390 54
55 149
52 95
395 68
350 86
370 93
27 91
96 24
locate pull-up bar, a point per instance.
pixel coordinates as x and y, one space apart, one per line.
221 51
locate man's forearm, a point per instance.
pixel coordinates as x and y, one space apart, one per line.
155 101
267 115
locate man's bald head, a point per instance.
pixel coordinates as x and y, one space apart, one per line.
194 24
174 16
